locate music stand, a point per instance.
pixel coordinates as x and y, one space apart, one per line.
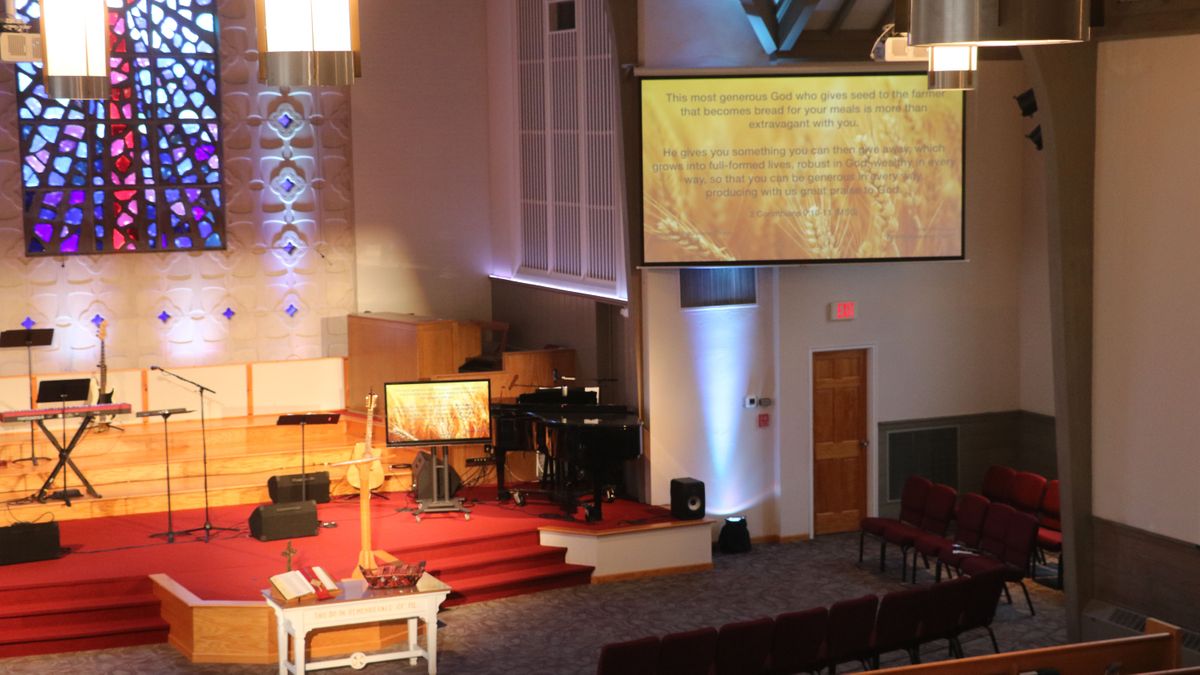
304 420
62 391
165 414
28 338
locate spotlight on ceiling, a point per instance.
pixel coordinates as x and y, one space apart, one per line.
1027 101
1035 137
998 23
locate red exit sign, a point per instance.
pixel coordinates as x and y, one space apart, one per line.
843 311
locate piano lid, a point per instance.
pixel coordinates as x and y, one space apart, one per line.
588 418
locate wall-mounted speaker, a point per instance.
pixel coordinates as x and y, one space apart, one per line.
284 521
284 489
687 499
28 542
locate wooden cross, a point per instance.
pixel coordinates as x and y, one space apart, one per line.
288 553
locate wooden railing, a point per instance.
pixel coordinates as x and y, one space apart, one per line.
1156 651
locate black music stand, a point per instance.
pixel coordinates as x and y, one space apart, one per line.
165 414
28 338
60 392
304 420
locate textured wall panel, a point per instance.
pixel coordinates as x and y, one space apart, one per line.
291 245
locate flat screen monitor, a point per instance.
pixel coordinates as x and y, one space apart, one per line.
438 413
778 169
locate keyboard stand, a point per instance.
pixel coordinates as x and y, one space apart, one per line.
64 461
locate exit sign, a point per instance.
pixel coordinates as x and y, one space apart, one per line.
843 311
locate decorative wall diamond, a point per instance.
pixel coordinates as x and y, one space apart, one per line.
228 313
164 317
97 320
291 310
28 323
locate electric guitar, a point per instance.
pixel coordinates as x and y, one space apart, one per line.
374 470
104 394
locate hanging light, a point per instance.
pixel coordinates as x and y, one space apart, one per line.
998 23
953 67
75 40
308 43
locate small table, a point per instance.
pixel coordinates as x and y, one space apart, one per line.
358 603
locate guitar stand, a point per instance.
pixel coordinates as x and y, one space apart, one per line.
441 502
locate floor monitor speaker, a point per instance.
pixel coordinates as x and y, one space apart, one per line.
423 475
284 521
687 499
284 489
28 542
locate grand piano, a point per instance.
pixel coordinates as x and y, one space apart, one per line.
585 444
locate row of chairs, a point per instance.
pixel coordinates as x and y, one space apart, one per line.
1034 494
859 630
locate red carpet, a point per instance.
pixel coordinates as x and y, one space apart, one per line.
73 602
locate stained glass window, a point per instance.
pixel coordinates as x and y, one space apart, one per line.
142 170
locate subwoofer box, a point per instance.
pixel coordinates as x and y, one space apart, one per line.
284 521
423 477
687 499
284 489
28 542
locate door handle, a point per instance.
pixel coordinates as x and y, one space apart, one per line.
863 444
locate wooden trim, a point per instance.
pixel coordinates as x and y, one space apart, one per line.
647 574
627 530
765 540
249 390
794 538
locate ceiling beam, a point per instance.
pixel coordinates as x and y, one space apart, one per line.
1124 19
761 14
843 13
793 17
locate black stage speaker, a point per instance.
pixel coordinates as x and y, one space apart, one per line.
285 489
27 542
284 521
687 498
422 473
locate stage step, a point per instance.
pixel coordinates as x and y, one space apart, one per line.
464 547
450 570
518 582
53 618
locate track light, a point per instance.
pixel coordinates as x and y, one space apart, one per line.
1027 101
998 23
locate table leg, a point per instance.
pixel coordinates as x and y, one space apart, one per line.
412 639
298 647
281 636
431 641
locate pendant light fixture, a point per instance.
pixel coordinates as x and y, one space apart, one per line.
953 67
307 43
75 40
997 23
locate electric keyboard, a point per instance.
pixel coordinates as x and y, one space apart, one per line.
69 412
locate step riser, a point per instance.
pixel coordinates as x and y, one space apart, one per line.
115 588
51 623
551 556
157 636
518 588
469 547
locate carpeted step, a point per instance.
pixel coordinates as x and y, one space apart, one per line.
79 637
52 592
48 622
79 606
519 582
463 547
494 562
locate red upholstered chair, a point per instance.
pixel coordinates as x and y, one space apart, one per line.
851 623
991 537
912 507
972 507
689 653
799 641
1026 490
935 519
941 613
635 657
897 624
744 648
1050 525
1020 538
982 596
997 481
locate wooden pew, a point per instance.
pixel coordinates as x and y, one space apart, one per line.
1156 651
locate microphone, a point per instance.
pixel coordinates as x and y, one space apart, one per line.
155 368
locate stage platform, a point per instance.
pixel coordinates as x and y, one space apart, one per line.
208 593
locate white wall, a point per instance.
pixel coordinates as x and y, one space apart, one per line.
420 116
1146 368
945 337
1037 358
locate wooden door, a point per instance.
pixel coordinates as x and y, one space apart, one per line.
839 440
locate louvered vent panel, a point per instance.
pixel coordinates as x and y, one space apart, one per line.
572 222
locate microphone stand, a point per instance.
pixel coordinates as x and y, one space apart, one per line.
207 527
